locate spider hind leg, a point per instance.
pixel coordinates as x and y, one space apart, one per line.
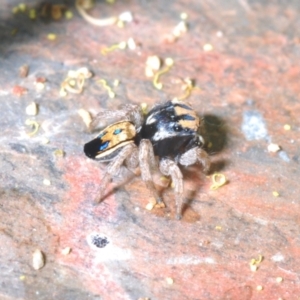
114 167
129 112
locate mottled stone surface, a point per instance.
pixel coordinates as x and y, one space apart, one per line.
249 89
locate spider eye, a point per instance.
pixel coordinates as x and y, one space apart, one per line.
103 146
171 115
177 127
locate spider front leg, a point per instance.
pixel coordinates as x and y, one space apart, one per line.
114 167
147 162
195 155
169 168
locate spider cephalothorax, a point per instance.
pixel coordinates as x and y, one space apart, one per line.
169 131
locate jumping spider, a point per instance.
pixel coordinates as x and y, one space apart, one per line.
168 131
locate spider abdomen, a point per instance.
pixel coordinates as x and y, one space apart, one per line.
110 141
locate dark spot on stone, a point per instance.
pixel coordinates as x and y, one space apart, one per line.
99 241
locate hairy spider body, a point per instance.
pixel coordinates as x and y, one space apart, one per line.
169 132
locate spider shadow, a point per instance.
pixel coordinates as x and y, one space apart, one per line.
119 180
215 133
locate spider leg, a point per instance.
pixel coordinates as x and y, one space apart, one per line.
204 159
134 114
169 167
129 112
147 162
104 117
195 155
132 162
113 168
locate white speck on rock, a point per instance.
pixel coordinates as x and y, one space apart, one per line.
283 155
277 257
190 260
253 126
